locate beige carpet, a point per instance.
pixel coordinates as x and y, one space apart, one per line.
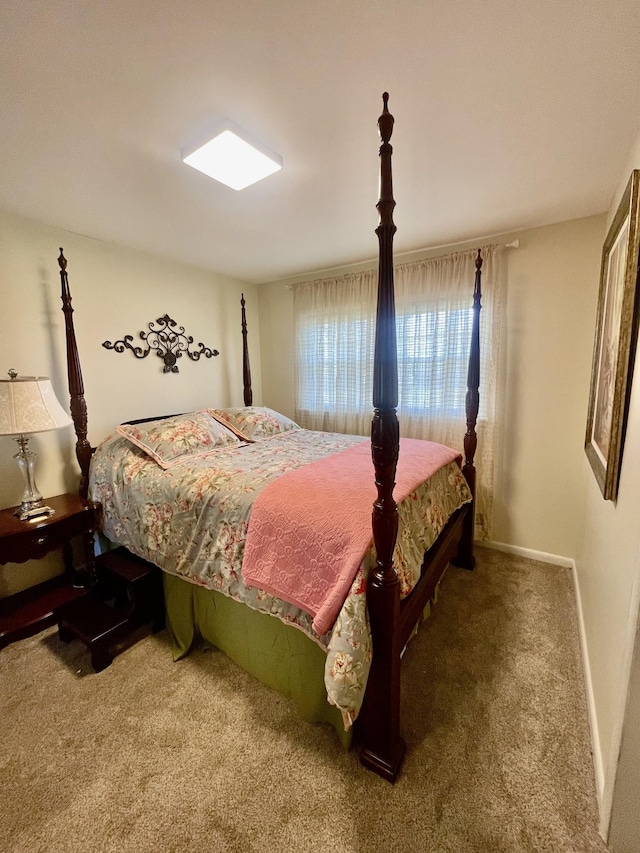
151 755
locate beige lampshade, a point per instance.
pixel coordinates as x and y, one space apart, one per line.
29 404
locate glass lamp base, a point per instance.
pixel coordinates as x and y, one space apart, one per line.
28 506
32 505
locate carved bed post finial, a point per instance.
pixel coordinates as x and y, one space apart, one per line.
383 749
246 367
76 387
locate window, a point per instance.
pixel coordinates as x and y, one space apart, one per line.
433 355
335 337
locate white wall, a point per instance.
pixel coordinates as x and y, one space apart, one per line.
115 291
608 573
608 579
277 346
552 283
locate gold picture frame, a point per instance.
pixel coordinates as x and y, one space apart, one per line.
615 342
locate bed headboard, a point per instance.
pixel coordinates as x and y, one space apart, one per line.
78 405
246 367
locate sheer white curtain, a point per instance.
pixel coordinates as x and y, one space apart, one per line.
335 330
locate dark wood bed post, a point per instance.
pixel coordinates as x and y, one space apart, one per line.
464 558
76 387
246 367
383 749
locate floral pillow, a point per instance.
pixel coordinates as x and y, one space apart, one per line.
253 423
173 440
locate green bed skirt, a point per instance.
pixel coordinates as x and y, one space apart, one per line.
278 655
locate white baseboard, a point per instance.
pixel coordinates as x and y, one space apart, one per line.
569 563
541 556
598 766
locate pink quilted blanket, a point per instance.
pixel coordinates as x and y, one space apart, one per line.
310 529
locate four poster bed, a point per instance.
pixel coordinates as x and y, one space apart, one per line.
157 502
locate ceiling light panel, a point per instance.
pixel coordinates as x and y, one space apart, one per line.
232 158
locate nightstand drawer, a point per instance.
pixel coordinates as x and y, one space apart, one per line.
32 545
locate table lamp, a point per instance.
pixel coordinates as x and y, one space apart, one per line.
28 404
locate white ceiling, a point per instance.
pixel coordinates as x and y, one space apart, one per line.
508 115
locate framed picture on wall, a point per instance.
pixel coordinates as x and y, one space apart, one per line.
615 342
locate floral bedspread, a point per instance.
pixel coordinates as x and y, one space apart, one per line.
192 520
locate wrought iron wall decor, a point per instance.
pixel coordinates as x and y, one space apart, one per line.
167 340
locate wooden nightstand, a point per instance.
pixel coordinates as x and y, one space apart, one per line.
28 612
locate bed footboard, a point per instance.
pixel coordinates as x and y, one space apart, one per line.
464 558
383 749
392 622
